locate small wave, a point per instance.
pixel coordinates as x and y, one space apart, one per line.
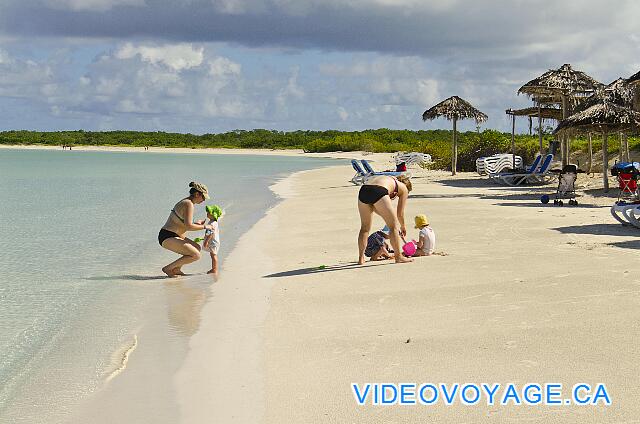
123 358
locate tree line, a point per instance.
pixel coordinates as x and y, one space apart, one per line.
437 143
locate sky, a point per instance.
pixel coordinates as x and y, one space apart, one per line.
210 66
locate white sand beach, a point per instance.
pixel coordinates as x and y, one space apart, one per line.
527 293
183 150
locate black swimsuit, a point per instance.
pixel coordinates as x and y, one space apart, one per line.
370 194
164 233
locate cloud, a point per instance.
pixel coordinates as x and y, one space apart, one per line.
176 57
444 29
301 63
90 5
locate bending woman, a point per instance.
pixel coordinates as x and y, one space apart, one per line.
376 196
172 235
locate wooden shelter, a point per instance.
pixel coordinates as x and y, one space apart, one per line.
541 112
603 117
454 108
564 86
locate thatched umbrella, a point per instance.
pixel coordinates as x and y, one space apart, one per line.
454 108
564 86
603 117
617 92
634 82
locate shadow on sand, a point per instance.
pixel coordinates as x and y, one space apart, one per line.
600 229
320 269
566 208
630 244
467 182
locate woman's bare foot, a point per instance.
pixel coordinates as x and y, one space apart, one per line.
403 260
361 261
178 271
170 272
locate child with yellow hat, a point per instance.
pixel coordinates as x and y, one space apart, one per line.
426 237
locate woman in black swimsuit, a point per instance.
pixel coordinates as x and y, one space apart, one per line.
376 196
172 234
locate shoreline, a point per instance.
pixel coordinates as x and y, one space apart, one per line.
210 151
129 381
222 377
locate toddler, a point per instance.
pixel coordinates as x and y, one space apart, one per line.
377 247
426 238
211 241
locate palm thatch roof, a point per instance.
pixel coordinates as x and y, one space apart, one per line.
618 92
454 107
600 117
565 81
634 79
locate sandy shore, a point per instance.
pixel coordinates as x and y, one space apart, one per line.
528 293
265 152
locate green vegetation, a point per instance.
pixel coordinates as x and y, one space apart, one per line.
437 143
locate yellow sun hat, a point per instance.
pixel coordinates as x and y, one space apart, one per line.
421 221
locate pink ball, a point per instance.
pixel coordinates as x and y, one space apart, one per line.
409 248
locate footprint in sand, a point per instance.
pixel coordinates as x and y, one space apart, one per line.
511 344
528 363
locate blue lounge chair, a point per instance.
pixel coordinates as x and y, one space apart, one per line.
360 176
369 170
533 174
365 171
534 166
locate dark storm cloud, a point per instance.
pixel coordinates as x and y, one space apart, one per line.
405 28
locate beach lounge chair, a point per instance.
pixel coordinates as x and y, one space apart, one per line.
370 171
531 176
626 210
535 165
412 158
625 213
497 163
360 176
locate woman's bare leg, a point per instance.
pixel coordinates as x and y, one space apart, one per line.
178 270
366 213
384 208
189 250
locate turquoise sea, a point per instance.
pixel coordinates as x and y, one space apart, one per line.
82 297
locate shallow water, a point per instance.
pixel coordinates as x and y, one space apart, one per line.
82 297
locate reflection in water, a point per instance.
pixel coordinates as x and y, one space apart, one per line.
185 300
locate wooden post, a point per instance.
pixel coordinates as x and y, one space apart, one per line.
454 150
565 138
620 148
590 154
513 140
605 162
626 148
540 128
